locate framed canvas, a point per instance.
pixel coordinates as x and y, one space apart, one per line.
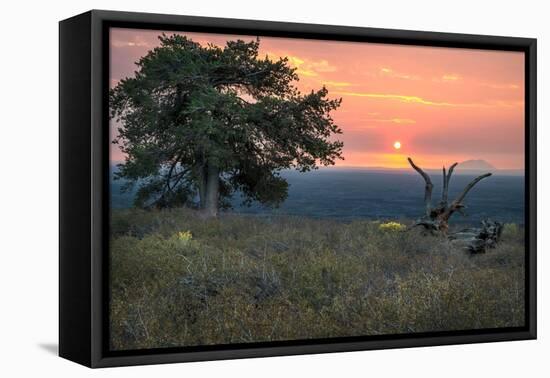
234 188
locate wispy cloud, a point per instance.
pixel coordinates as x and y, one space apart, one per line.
400 121
329 83
301 68
500 86
358 124
305 67
450 78
322 66
423 101
137 42
389 72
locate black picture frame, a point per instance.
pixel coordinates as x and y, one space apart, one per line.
84 189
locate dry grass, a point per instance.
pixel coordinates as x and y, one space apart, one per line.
244 279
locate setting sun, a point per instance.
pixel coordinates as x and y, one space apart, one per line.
402 92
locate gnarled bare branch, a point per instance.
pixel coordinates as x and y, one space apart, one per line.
446 180
457 203
428 188
444 188
468 187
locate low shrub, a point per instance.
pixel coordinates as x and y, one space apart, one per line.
178 280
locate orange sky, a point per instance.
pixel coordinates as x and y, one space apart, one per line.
442 104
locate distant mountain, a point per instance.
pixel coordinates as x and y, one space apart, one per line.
476 165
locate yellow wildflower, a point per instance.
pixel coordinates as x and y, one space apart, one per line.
392 226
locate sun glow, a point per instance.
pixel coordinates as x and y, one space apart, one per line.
401 93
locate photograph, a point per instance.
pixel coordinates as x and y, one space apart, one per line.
266 189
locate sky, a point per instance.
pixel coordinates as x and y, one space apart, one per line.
443 105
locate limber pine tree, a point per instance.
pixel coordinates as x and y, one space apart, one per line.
204 121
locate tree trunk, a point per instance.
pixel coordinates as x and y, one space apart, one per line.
209 191
201 173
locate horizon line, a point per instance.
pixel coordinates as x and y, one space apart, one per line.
374 167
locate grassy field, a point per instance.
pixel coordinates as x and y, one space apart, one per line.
179 280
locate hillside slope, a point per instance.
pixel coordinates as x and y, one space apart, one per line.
178 280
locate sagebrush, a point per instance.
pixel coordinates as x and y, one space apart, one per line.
179 280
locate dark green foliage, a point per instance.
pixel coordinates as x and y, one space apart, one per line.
193 115
246 279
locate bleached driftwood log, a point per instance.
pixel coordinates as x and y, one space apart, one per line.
478 240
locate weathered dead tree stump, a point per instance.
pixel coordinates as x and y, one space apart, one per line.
478 240
436 219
